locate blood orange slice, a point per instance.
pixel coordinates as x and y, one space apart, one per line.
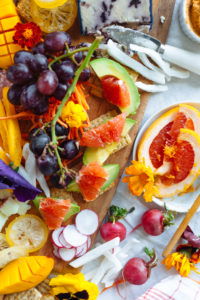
108 132
184 167
90 180
54 211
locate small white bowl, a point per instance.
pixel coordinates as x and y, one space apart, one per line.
179 203
185 22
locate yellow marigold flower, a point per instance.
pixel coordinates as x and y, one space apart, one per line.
73 114
75 285
181 262
142 180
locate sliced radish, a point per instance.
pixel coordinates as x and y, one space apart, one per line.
87 221
81 250
73 237
55 237
67 254
89 242
63 242
56 252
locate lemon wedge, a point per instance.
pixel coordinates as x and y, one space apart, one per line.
49 3
28 231
58 18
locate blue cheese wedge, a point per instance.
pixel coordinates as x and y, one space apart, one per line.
96 14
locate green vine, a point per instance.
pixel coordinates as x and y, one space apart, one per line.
71 89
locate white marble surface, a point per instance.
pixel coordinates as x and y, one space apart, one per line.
179 90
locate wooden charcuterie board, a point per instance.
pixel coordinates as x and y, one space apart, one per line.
100 106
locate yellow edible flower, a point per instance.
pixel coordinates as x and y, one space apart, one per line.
73 114
75 285
181 262
142 180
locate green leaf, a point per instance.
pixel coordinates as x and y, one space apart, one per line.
149 252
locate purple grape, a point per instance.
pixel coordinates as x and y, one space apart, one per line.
85 75
42 107
38 143
47 164
35 132
60 130
55 180
70 149
77 56
19 74
14 94
31 99
47 82
42 62
27 58
55 41
61 91
65 71
39 48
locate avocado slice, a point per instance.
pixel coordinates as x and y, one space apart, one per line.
112 171
92 154
74 208
105 67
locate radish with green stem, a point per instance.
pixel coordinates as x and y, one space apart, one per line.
113 228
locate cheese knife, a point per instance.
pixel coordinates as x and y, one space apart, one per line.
180 57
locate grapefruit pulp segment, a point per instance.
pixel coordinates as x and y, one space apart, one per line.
107 132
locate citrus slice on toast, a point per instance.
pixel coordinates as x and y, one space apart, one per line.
60 18
28 231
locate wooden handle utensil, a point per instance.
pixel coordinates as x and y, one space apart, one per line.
182 227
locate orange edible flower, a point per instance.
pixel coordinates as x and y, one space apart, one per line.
142 180
27 35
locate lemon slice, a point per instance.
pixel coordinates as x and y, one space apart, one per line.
60 18
28 231
49 3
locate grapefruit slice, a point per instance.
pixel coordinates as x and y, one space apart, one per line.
183 171
54 211
105 133
90 180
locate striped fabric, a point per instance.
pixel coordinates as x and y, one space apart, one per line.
173 288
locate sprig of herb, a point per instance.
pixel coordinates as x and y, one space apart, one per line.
116 213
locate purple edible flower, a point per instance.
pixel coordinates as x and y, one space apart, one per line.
9 179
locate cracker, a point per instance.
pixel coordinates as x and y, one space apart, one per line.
24 10
10 254
31 294
3 242
48 297
44 287
98 121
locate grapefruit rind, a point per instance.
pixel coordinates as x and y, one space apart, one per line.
165 191
192 113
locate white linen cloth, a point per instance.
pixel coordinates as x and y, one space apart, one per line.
179 90
180 288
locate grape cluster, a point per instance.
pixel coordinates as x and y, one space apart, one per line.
40 145
34 81
36 76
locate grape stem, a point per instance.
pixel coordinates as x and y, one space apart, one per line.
71 89
68 54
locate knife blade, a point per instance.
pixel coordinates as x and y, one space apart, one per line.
180 57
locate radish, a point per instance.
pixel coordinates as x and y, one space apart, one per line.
110 231
137 271
63 242
154 221
89 242
55 237
81 250
113 228
66 254
87 221
73 237
55 252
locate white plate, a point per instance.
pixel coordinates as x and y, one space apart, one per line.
178 203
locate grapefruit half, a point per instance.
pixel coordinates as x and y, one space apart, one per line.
170 146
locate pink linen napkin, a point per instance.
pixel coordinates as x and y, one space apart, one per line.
173 287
